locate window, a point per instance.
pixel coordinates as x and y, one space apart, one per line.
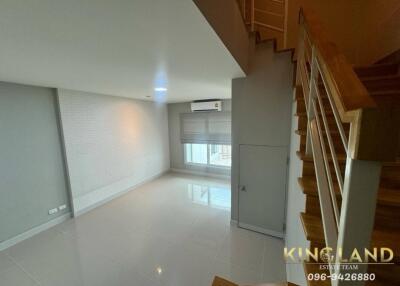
220 155
196 153
208 154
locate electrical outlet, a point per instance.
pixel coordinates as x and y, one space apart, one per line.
53 211
62 207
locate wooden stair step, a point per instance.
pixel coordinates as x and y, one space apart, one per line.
324 95
339 152
303 132
272 284
302 116
336 139
390 275
325 100
389 197
301 111
377 70
386 197
218 281
271 33
329 117
309 170
387 275
390 175
342 158
308 185
385 93
302 156
313 230
386 98
390 82
338 145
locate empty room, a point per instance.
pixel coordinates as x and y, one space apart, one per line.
199 143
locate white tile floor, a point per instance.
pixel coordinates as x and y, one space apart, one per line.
174 231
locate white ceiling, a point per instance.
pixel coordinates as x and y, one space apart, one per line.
115 47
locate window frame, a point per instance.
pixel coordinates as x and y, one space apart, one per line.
208 164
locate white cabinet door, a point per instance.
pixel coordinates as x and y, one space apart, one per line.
262 188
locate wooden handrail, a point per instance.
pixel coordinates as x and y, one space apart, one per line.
348 91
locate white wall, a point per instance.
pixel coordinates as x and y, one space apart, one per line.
112 144
296 203
176 147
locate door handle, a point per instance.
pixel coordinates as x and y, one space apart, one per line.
243 188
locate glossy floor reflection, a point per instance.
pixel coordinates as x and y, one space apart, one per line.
173 231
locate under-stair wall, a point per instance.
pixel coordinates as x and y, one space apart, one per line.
261 106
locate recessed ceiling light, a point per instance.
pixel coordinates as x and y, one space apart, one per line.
160 89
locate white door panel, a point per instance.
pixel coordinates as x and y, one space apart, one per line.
262 188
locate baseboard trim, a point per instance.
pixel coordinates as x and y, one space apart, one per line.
33 231
203 174
106 199
261 230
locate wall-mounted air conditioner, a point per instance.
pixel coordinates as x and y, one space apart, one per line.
214 105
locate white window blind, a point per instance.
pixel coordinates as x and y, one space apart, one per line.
206 127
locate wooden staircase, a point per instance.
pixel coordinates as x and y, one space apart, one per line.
218 281
266 17
348 123
383 83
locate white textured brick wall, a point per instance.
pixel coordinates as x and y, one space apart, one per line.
112 144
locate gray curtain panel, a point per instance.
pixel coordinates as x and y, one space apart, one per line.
206 127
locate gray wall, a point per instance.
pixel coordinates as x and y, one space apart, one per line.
296 203
112 144
261 106
32 173
175 145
